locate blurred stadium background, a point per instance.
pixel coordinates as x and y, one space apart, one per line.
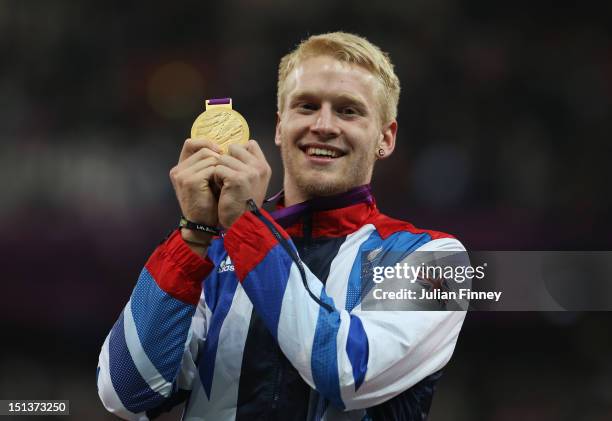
504 140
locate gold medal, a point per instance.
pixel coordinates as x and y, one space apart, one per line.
221 124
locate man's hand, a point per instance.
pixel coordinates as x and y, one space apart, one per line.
242 174
192 182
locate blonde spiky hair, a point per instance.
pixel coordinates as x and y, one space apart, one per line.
348 48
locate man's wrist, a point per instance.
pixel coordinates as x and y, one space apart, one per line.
196 238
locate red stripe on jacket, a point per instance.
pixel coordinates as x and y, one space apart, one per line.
249 240
387 226
177 270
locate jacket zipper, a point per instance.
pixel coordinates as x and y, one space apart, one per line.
277 382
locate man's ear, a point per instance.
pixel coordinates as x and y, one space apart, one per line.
387 140
277 134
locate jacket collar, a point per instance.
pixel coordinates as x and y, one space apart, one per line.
328 216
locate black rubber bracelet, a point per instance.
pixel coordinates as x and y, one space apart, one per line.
184 223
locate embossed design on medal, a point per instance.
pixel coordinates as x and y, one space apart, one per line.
221 124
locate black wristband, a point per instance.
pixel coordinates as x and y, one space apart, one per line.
184 223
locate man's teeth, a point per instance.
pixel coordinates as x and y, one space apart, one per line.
321 152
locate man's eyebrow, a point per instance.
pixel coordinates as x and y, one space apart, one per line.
351 99
302 95
343 97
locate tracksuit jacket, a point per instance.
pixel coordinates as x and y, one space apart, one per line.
269 325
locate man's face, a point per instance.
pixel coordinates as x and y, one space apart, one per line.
329 129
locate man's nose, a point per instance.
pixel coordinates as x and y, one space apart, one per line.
326 125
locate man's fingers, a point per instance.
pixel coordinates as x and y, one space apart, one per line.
200 155
254 148
201 164
239 161
181 174
250 155
201 177
223 174
192 146
242 153
262 166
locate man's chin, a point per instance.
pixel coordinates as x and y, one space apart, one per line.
320 186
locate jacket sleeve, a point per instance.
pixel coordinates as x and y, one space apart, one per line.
147 359
355 359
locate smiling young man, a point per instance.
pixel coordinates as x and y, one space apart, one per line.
331 127
266 322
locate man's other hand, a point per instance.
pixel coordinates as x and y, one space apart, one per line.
192 181
242 174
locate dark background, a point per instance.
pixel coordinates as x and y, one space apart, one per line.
504 141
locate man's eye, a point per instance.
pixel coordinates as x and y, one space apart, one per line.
308 107
349 111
